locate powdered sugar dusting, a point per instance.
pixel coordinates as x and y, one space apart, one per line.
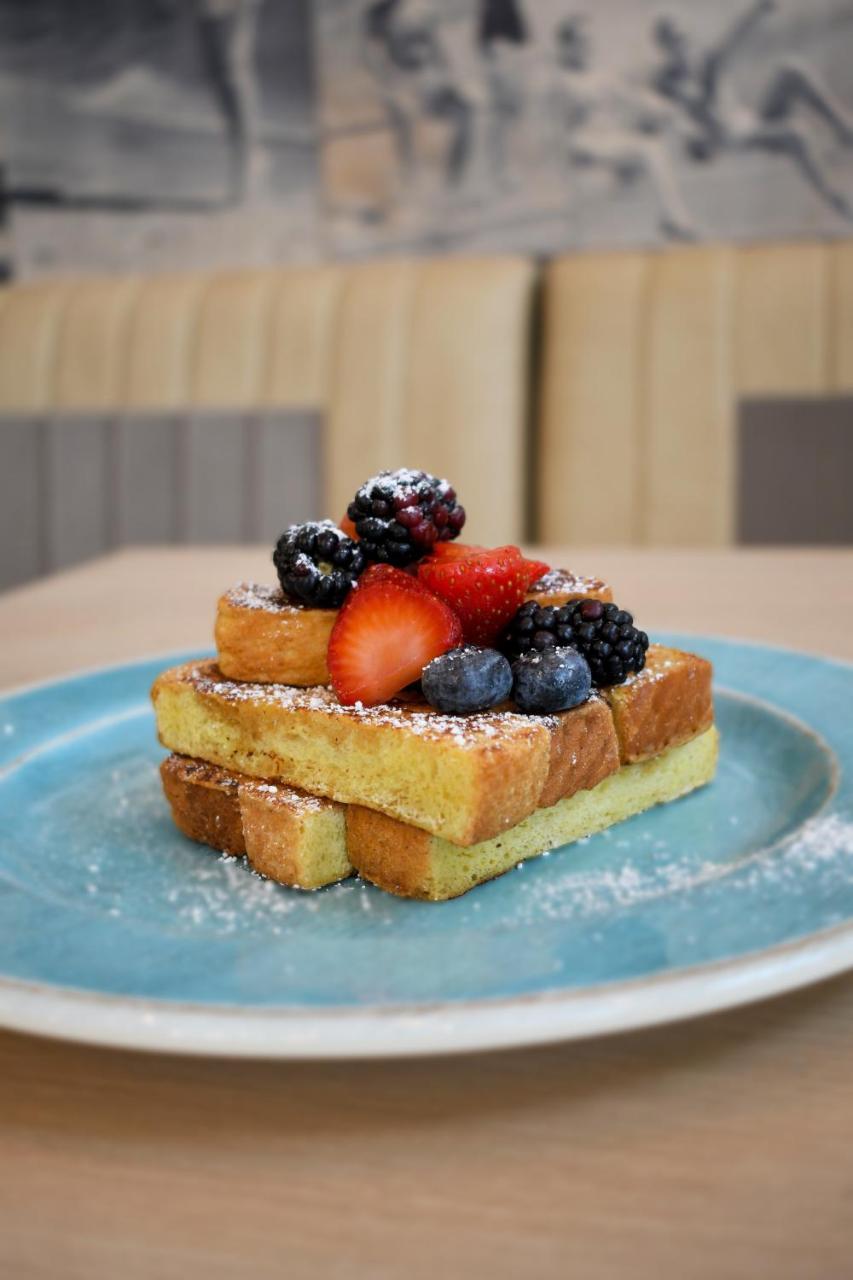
563 581
417 718
258 596
823 845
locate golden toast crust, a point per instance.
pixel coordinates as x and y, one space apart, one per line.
205 802
559 586
584 749
260 636
669 702
464 777
265 638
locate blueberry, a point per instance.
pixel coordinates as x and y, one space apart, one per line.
552 680
467 679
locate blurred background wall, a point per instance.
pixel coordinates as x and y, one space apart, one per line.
150 133
592 260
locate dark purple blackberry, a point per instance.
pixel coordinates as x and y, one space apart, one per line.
603 633
400 515
317 564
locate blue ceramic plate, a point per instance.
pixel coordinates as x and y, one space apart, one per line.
115 929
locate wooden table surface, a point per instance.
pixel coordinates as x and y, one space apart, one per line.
715 1148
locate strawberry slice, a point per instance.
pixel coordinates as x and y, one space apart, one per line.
456 550
387 573
385 634
484 590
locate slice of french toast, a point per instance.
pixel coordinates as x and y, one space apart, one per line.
263 637
306 842
559 586
414 864
668 702
205 802
288 836
463 777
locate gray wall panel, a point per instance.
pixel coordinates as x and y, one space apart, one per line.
21 542
77 485
78 492
796 471
147 479
216 496
286 486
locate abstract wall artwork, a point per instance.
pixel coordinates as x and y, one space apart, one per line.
188 132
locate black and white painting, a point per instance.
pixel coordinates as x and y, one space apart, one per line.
157 133
542 125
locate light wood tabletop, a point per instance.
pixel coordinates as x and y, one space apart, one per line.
716 1148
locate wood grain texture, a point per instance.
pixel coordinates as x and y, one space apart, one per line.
686 454
230 352
593 348
364 427
92 353
29 335
301 321
466 386
781 333
160 343
714 1148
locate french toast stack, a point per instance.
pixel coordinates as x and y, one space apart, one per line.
288 749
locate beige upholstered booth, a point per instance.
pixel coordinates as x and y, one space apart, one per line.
646 357
403 362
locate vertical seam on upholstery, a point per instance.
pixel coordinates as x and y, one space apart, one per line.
43 491
416 277
642 396
533 375
53 357
830 296
181 473
111 444
250 426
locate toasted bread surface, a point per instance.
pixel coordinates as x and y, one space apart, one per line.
668 702
264 638
413 864
288 836
294 838
463 777
205 802
584 749
559 586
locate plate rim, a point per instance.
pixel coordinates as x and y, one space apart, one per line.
286 1032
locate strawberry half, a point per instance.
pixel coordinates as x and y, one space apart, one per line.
484 590
456 550
385 634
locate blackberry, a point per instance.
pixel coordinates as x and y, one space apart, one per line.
400 515
317 564
603 633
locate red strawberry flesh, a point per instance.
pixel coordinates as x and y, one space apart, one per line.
385 634
484 589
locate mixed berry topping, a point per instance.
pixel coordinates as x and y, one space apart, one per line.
317 564
467 680
399 516
484 588
385 634
417 605
550 680
603 633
